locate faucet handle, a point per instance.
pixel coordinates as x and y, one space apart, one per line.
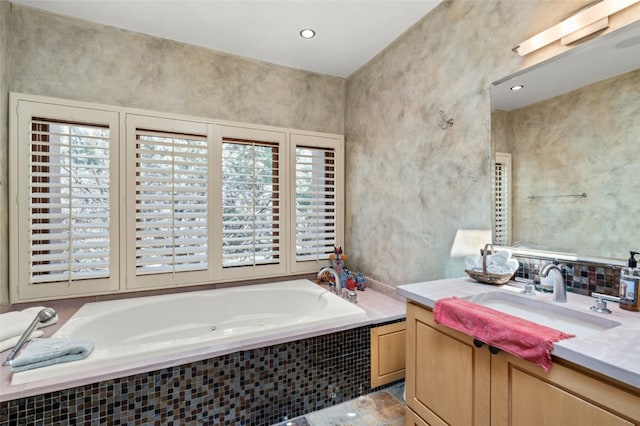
529 286
600 302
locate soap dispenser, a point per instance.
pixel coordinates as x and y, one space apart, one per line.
630 285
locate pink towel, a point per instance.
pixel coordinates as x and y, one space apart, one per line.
525 339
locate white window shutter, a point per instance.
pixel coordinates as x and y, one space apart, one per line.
315 200
69 201
502 201
251 203
171 202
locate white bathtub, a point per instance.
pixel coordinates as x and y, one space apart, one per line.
132 332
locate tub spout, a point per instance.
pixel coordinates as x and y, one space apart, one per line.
335 286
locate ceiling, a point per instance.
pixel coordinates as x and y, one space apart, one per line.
349 32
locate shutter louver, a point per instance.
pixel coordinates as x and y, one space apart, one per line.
171 202
69 201
250 203
315 203
501 204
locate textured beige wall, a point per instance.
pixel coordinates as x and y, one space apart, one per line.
64 57
411 185
69 58
4 89
583 141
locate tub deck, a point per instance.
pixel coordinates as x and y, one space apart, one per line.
380 303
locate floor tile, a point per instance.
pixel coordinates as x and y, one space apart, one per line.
382 408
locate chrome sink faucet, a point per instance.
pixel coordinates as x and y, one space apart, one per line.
559 286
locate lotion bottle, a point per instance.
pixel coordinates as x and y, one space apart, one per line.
630 285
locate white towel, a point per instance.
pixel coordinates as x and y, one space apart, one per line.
471 262
500 257
507 268
11 342
15 323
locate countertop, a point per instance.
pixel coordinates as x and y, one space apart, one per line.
380 302
614 353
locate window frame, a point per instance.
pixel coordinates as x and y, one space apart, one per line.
19 174
502 159
122 218
316 141
167 125
256 135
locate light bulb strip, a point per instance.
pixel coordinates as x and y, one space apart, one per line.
571 25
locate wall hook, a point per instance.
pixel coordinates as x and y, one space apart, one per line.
445 123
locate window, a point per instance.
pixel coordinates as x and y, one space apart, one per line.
66 196
315 203
502 200
317 199
109 199
250 203
169 180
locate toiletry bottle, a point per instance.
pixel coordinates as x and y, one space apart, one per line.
630 285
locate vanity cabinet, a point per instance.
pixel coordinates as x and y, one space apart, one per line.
447 378
451 381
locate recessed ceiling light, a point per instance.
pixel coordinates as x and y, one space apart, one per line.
518 87
307 33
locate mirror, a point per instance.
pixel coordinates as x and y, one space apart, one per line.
573 133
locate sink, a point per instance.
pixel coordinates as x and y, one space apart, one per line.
582 324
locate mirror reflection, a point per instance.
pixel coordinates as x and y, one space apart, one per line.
584 141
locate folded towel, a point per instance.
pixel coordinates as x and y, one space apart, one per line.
509 267
496 269
525 339
44 352
11 342
14 323
512 264
500 257
471 262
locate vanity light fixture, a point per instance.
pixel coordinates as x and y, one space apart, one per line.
307 33
578 26
517 87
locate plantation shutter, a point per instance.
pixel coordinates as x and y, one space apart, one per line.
250 203
501 191
69 201
315 198
171 202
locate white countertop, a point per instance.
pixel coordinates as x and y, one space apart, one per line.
614 352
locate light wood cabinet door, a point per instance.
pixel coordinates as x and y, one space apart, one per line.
388 348
448 378
412 419
451 382
523 394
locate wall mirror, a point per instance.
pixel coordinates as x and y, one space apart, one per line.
573 135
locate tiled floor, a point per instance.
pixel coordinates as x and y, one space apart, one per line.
382 408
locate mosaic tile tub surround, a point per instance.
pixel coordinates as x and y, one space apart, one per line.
581 278
255 387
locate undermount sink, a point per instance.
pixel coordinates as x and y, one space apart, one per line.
582 324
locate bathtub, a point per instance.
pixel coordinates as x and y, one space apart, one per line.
138 332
